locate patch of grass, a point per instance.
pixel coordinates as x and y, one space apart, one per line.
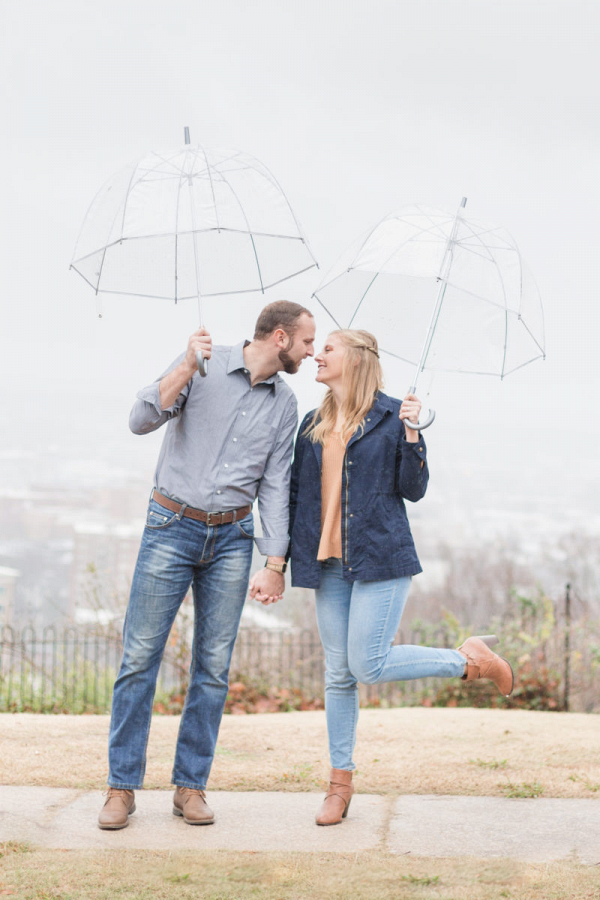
489 764
592 786
11 847
426 879
301 774
523 789
231 875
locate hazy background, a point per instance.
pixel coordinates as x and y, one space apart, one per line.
358 109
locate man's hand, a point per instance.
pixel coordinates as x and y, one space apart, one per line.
411 409
199 341
267 586
174 382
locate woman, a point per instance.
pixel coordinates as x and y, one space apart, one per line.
356 461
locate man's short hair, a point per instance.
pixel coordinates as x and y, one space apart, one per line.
281 314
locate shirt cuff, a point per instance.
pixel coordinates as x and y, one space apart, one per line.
272 546
417 446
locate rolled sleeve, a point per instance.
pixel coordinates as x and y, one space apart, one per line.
274 489
147 414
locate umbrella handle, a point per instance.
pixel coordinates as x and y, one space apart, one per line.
201 363
421 426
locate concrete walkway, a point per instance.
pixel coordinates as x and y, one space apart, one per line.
539 830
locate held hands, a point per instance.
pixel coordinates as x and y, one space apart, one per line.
267 586
199 340
410 409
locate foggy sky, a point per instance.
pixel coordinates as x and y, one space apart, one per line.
359 109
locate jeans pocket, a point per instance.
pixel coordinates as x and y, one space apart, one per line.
155 519
246 526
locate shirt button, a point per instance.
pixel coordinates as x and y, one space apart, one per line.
234 440
246 371
243 413
226 465
219 492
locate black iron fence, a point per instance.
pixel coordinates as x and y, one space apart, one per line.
556 657
73 670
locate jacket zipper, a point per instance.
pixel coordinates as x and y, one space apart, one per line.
345 551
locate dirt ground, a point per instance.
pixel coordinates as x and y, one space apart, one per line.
400 751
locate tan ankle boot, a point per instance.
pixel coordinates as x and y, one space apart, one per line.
116 811
190 803
337 800
484 663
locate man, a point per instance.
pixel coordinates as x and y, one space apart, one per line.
229 440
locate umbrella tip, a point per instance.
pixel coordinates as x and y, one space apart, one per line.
186 134
463 202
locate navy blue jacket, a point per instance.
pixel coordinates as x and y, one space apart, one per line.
380 470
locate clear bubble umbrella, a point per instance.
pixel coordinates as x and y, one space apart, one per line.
190 223
441 292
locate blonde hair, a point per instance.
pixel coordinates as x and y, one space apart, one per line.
362 378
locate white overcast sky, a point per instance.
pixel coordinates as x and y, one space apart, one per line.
358 108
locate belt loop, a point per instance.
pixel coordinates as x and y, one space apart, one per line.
234 517
181 512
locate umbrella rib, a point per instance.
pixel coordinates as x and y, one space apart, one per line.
330 314
301 234
533 338
212 187
362 298
87 281
251 236
193 296
397 356
168 234
436 225
502 285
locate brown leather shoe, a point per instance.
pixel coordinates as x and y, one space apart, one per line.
484 663
118 807
191 804
337 800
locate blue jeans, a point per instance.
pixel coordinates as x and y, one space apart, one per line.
176 552
357 624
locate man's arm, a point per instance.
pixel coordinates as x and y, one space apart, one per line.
273 502
166 397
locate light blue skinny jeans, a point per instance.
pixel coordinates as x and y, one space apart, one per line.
357 623
176 553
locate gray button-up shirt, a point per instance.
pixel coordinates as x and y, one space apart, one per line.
226 442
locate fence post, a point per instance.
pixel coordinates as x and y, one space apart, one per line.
567 647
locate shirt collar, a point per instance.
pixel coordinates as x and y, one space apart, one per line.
237 363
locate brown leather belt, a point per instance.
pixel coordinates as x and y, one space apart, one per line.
209 518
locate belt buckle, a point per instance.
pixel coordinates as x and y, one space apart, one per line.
209 516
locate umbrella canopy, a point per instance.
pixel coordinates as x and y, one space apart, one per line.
188 223
441 292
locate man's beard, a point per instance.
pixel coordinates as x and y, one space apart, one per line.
290 367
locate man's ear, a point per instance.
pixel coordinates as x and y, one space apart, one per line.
281 338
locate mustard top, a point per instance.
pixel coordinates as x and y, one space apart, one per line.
331 498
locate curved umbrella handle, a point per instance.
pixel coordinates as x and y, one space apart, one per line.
421 426
201 363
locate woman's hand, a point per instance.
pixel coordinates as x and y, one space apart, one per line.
410 409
